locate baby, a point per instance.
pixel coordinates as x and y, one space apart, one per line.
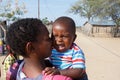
67 58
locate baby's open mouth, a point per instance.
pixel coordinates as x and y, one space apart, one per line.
61 47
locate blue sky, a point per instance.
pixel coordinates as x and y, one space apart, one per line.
51 9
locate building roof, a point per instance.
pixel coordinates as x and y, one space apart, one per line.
101 23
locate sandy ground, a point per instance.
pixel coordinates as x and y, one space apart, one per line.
102 57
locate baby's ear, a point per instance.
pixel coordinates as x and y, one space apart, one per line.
75 37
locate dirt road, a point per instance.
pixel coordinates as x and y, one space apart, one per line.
102 57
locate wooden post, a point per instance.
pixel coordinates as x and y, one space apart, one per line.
38 9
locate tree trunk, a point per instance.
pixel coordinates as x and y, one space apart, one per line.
116 31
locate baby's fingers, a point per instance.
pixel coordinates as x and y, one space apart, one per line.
48 71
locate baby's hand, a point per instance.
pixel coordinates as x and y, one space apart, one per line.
51 71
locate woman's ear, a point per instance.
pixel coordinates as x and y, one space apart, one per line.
75 37
29 48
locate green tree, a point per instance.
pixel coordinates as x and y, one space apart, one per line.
102 9
45 21
85 8
11 12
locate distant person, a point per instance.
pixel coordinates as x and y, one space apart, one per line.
9 59
30 38
67 57
1 47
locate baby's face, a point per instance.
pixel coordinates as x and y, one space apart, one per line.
62 37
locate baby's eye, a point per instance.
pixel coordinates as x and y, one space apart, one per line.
66 36
55 35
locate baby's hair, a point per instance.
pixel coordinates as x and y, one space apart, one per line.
67 21
21 32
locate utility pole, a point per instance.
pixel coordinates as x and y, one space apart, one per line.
38 9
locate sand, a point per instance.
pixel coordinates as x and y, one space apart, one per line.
102 57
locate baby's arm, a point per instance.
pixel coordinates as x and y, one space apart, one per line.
73 73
